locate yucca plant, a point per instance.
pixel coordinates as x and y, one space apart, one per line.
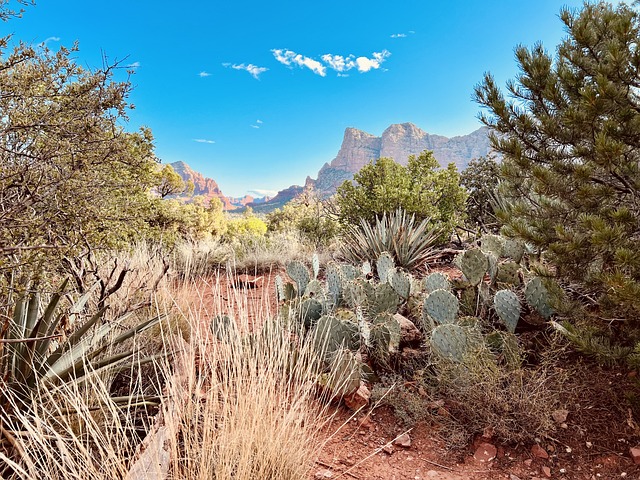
28 361
411 244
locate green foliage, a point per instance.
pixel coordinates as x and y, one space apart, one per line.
247 225
421 189
171 183
411 244
307 215
71 178
570 156
175 220
29 362
481 180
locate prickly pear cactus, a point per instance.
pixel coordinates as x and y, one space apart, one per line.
334 283
357 292
365 331
384 299
349 272
385 337
332 334
401 283
474 264
451 342
492 269
223 327
284 291
315 265
314 289
299 274
366 269
345 373
513 249
441 306
436 281
492 244
385 266
505 344
538 297
310 311
508 272
507 306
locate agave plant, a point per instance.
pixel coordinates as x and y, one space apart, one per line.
28 360
411 244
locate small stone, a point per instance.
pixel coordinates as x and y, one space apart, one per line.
551 448
324 474
528 462
538 451
589 444
563 471
564 425
513 477
635 454
359 399
485 453
388 449
547 471
403 440
560 416
409 333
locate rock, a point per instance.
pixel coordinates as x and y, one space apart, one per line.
547 471
635 454
403 440
323 474
528 462
539 452
409 333
513 477
388 449
485 452
359 399
560 416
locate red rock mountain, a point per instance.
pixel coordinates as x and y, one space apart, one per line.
207 187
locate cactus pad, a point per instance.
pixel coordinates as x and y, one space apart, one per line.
508 272
385 266
507 306
492 244
513 249
401 283
299 274
538 297
474 264
436 281
441 306
451 342
314 289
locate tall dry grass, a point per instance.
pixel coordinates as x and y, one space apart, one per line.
239 403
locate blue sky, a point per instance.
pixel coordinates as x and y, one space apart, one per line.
257 94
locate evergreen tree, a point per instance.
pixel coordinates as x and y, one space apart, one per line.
570 137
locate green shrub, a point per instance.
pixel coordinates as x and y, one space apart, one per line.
568 139
421 189
481 179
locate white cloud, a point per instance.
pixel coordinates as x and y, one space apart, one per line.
399 35
204 74
203 140
412 32
259 121
288 57
50 39
134 65
338 63
255 126
254 70
366 64
262 192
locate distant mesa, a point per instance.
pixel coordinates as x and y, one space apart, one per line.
399 141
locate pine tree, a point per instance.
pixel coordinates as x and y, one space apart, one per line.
570 137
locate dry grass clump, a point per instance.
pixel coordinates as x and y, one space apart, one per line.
509 403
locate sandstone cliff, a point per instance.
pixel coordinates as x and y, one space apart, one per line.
207 187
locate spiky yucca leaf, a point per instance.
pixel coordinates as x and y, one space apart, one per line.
410 243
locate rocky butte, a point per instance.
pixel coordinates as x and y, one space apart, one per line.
398 141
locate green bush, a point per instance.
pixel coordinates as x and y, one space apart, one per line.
421 189
568 138
481 179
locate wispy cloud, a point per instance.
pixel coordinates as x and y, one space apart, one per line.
258 124
134 65
50 39
262 192
203 140
259 121
204 74
399 35
288 57
338 63
255 126
254 70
